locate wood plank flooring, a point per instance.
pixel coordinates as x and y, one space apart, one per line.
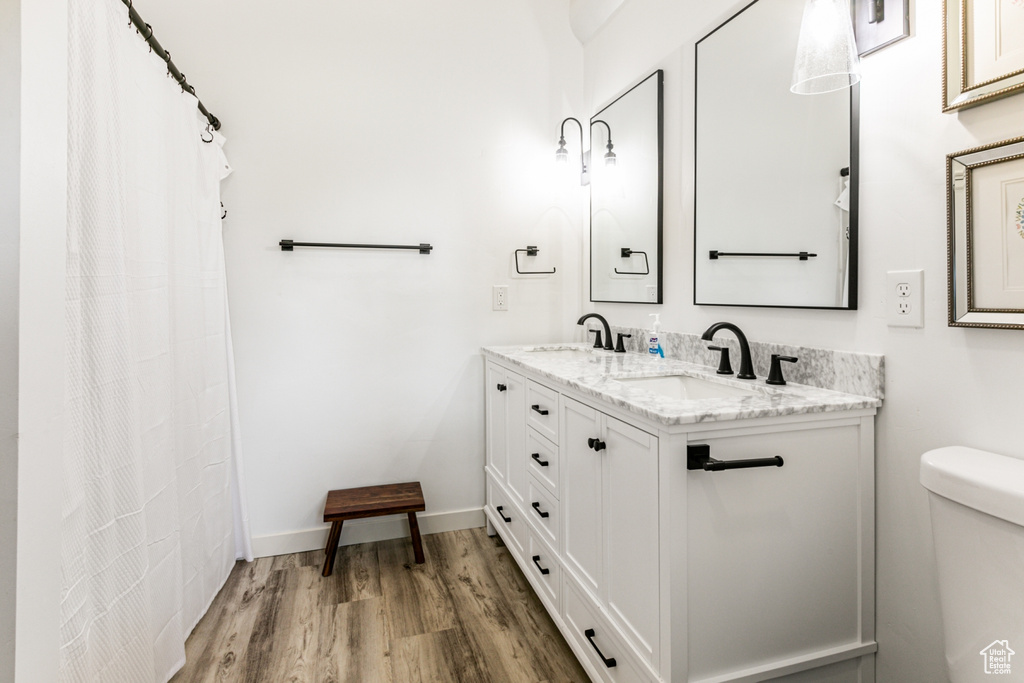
467 615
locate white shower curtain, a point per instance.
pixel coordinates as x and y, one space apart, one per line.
152 517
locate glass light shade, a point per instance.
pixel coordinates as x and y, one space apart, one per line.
562 155
826 51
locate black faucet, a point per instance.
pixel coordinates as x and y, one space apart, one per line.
746 368
607 328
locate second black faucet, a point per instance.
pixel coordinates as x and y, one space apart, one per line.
607 330
746 367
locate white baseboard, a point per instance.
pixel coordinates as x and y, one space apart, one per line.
366 531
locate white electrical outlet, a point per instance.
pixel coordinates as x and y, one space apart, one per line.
904 298
499 297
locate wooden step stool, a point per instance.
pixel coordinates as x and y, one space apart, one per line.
372 501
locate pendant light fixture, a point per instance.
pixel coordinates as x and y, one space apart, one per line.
826 51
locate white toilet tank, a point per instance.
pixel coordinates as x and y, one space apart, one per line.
977 508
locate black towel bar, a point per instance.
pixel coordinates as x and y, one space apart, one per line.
289 245
802 255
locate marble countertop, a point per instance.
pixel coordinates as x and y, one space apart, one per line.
593 372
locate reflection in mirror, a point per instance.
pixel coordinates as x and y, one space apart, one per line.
775 217
625 196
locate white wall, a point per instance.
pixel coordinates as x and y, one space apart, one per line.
10 84
944 385
393 121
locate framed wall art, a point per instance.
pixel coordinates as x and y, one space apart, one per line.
985 208
983 52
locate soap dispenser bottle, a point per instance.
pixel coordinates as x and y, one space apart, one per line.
654 337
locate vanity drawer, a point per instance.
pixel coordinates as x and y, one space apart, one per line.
543 566
506 518
542 510
598 640
542 460
542 410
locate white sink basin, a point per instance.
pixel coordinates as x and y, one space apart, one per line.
686 388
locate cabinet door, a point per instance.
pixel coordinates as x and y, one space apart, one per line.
515 434
776 549
583 489
496 398
631 585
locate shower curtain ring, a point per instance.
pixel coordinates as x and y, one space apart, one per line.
202 136
130 13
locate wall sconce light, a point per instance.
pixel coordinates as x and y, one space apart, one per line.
826 52
562 154
609 156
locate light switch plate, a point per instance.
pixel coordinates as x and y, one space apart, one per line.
904 298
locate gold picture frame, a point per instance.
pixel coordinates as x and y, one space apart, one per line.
969 76
985 238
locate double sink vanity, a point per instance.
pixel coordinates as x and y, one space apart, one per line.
678 524
682 526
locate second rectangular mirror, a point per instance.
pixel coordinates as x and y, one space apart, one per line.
775 220
625 196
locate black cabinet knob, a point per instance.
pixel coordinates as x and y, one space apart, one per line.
536 561
596 444
502 387
537 409
542 463
502 514
536 508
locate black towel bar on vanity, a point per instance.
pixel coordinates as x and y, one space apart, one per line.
698 457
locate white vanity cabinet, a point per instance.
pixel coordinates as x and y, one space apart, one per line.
657 572
506 428
610 508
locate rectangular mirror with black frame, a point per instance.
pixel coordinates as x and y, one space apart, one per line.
626 196
775 206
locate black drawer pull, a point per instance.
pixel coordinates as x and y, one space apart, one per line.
596 444
536 408
608 661
502 514
542 463
698 457
502 387
536 561
544 515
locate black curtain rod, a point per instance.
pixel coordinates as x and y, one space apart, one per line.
146 31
